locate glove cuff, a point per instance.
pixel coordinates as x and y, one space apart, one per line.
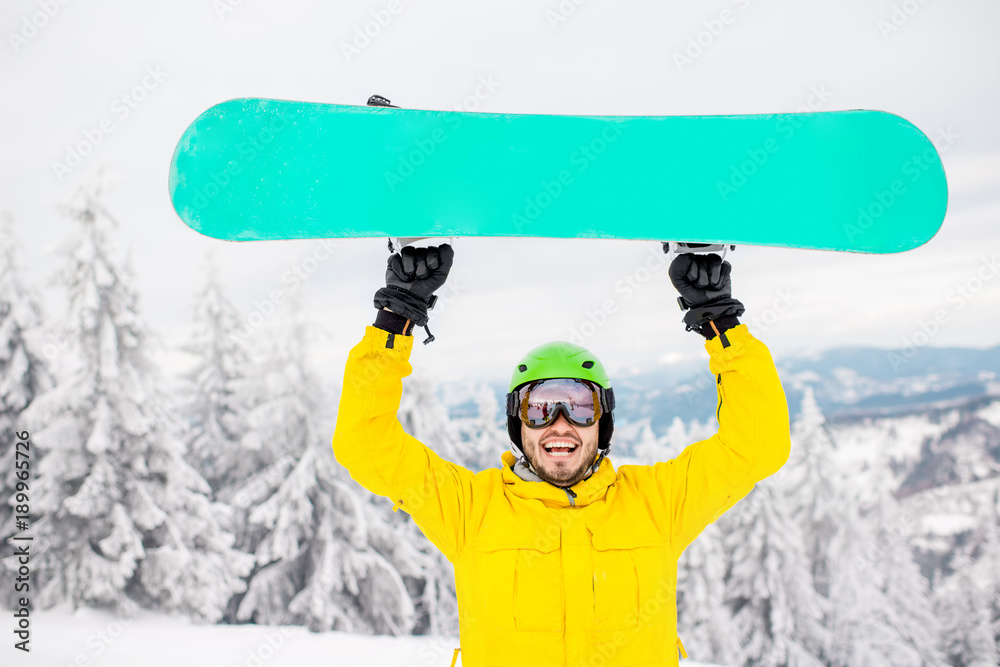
698 317
393 323
404 303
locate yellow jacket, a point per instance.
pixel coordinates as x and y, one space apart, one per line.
542 581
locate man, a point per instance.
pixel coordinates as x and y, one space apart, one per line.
559 558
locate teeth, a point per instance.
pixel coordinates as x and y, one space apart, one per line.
570 446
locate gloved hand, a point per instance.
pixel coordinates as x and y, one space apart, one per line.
411 278
706 292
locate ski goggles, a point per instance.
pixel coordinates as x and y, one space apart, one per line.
540 403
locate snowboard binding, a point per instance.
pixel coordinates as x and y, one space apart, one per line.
674 248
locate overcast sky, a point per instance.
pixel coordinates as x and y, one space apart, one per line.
148 69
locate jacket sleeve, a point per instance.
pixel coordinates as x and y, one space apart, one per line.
370 442
753 440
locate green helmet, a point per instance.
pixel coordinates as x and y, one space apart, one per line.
559 360
562 360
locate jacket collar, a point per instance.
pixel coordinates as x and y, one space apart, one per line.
588 491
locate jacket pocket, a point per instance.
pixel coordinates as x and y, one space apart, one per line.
525 570
624 564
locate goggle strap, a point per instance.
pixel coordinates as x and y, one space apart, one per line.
607 398
512 404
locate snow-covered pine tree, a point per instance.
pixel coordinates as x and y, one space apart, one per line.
330 555
425 417
892 570
276 408
482 437
678 437
23 375
648 448
967 600
703 620
224 387
963 607
814 492
125 519
988 566
777 613
863 625
332 559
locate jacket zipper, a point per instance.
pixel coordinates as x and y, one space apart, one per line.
718 392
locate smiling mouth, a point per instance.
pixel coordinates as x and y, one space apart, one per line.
559 448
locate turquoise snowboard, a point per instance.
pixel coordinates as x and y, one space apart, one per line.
861 181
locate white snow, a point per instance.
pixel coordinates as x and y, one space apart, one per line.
948 524
991 413
62 637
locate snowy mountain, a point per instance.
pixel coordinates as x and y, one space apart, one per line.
847 382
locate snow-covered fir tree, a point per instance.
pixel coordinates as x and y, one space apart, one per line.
703 619
483 436
275 412
776 612
648 448
963 608
330 555
865 628
425 417
125 519
224 387
813 489
988 566
966 601
333 559
891 569
23 375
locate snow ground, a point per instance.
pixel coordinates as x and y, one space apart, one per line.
90 638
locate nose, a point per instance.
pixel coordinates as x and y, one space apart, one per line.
560 424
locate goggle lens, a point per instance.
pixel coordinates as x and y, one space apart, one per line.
541 402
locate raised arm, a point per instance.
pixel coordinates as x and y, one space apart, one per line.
369 440
753 439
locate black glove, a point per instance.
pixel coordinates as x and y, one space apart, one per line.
411 277
705 292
